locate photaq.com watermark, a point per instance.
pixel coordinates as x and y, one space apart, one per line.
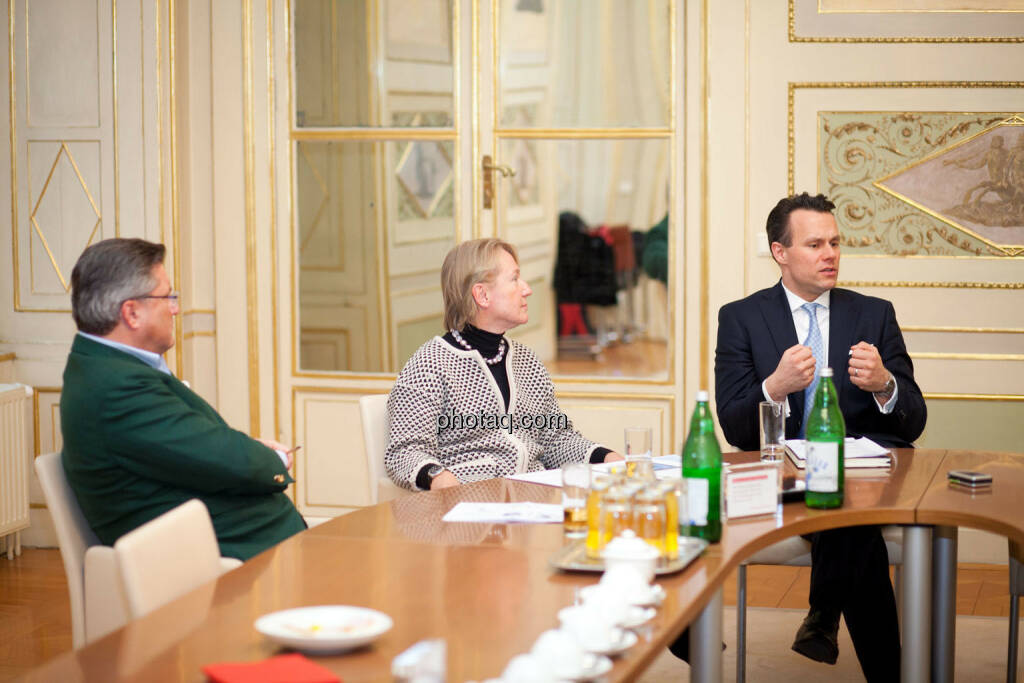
506 421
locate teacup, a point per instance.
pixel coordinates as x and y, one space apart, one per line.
591 627
607 604
628 550
559 650
527 669
628 582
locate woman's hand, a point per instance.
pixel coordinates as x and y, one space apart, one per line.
444 480
612 456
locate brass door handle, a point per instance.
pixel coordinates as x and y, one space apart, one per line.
487 167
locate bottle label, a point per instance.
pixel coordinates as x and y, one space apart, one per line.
822 466
697 500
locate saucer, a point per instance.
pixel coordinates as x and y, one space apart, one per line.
598 668
627 641
638 616
324 629
653 598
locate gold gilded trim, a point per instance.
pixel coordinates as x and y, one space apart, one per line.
251 255
7 356
942 285
973 397
583 133
117 160
198 311
272 198
14 153
199 333
939 355
179 348
944 328
794 38
705 229
793 86
373 134
36 391
474 127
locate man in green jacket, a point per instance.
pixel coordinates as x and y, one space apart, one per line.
137 441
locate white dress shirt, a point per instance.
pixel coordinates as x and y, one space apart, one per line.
802 323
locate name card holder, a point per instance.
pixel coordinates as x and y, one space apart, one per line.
753 489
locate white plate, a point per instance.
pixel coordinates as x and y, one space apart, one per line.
638 616
600 667
323 629
627 641
654 596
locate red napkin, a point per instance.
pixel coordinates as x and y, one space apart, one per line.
292 668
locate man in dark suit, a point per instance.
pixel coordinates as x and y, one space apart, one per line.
138 442
765 352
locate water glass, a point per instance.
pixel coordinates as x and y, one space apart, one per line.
772 419
575 486
599 483
649 517
638 450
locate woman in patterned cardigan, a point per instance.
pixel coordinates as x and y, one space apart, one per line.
473 405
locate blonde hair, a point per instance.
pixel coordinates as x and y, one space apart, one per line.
466 265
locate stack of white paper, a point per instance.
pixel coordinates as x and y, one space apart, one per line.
504 513
857 453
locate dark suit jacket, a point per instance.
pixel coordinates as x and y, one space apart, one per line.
754 332
138 442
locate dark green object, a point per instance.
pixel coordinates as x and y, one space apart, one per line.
138 442
702 470
826 431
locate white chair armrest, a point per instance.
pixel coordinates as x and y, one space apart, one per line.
106 608
389 490
229 563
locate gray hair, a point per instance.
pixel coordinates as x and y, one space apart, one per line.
465 265
106 275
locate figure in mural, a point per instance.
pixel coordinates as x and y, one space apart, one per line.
1005 181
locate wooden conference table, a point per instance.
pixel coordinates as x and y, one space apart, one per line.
489 591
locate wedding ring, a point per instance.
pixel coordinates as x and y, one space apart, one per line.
856 372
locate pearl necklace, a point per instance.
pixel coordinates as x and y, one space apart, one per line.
490 361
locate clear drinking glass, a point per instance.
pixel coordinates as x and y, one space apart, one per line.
638 449
772 419
649 517
575 486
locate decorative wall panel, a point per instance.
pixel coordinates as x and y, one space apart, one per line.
924 183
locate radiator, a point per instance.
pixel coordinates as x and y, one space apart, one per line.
15 463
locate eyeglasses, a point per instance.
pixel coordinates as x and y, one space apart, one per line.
172 297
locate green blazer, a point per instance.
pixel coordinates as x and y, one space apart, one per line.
138 442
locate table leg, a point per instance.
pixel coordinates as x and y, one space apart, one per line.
944 603
916 597
706 642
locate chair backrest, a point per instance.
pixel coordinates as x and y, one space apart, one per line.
74 535
167 557
374 411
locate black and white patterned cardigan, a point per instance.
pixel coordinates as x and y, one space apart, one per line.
444 386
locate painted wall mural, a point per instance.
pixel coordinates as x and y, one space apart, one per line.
924 183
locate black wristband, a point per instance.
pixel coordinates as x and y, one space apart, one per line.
598 455
422 478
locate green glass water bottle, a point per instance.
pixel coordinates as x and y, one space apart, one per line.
825 433
702 470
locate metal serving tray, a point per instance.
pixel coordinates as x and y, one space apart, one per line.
573 557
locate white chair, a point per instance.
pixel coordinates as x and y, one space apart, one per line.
795 552
1016 590
169 556
374 411
97 603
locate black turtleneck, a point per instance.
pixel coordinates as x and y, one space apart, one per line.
487 343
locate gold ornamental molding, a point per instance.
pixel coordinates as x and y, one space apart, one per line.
942 355
941 285
953 328
794 38
973 397
793 86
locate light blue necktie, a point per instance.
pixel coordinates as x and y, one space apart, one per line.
817 345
